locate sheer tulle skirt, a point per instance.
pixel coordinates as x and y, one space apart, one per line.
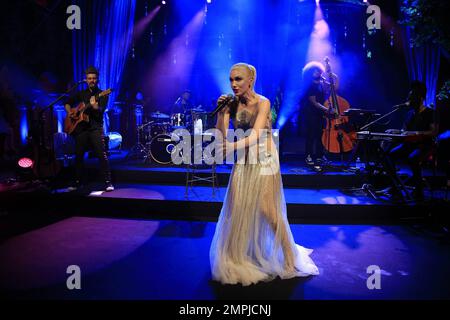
252 240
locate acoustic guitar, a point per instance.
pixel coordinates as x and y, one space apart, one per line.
77 115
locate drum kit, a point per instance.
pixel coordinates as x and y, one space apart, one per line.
154 136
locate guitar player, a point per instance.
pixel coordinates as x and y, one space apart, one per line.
90 134
422 120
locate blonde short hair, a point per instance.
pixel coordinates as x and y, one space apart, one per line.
251 69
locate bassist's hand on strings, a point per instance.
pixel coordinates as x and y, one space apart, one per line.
331 113
327 79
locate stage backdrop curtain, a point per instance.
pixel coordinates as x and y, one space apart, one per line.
423 65
104 41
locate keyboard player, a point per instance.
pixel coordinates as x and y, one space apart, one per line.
421 119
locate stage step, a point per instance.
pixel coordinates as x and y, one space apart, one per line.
169 202
295 174
292 176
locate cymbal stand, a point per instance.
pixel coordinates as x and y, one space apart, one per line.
139 149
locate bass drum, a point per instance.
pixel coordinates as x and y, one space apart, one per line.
161 148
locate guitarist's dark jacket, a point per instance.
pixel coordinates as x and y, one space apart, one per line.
95 116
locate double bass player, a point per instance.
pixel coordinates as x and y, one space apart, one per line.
321 109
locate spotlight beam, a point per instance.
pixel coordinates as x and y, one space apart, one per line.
142 24
178 58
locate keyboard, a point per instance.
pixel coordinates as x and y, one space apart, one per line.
409 136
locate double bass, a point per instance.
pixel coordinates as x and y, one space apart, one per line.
338 136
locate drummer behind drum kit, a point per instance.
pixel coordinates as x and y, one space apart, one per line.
154 139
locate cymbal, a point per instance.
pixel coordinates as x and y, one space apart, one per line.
159 115
197 110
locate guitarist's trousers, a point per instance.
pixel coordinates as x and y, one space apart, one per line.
95 139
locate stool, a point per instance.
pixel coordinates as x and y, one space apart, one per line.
195 171
193 176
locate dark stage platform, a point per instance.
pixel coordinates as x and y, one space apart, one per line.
141 240
149 190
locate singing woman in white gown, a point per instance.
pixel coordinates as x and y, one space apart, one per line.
253 241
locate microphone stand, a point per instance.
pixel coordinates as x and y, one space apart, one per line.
395 109
139 148
388 164
40 132
60 97
363 128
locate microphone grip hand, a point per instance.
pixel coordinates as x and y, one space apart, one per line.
222 99
222 104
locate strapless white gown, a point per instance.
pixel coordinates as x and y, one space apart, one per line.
250 244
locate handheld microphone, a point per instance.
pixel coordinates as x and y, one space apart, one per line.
82 81
222 105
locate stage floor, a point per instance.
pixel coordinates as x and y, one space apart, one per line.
163 259
147 240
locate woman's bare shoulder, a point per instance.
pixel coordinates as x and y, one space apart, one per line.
261 98
263 103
